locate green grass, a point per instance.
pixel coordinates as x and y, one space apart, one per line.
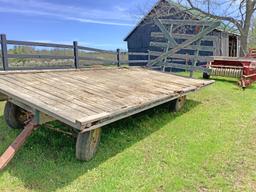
209 146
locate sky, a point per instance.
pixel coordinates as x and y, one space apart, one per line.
99 23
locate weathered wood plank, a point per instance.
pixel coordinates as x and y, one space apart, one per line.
166 33
191 47
184 56
27 43
58 90
100 93
126 86
94 91
44 95
183 36
95 50
186 22
172 85
133 61
36 103
149 86
138 53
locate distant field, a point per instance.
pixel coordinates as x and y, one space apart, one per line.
96 58
209 146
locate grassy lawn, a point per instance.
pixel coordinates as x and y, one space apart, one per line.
209 146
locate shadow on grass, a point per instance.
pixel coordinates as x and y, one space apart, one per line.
226 80
47 160
233 81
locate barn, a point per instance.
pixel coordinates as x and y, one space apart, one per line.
140 39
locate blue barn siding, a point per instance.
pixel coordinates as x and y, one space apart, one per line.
139 42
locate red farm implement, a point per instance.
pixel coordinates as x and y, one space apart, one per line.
243 68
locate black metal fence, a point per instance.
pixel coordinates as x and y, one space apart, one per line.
74 57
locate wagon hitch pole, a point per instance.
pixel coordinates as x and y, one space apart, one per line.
8 155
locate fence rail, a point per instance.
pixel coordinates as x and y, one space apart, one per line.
35 56
29 43
77 54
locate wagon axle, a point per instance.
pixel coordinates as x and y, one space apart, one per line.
86 144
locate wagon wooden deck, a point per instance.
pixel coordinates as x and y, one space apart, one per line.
87 99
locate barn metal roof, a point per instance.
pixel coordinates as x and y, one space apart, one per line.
224 27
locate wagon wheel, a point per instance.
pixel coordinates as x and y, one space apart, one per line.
14 116
177 104
87 143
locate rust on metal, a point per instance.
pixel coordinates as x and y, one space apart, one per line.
16 145
243 68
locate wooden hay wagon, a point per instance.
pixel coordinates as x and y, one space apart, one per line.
85 99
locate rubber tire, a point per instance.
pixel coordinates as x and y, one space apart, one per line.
206 76
177 104
87 143
11 112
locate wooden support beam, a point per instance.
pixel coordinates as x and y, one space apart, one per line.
16 145
137 53
195 59
186 43
191 47
166 33
185 22
171 42
183 36
184 56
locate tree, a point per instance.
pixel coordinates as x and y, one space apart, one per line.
252 34
21 50
237 12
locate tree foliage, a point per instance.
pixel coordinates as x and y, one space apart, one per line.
238 13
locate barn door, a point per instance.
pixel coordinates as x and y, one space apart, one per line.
182 42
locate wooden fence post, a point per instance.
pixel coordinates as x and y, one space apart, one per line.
76 55
118 57
4 51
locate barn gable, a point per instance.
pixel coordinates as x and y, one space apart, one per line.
197 15
138 40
